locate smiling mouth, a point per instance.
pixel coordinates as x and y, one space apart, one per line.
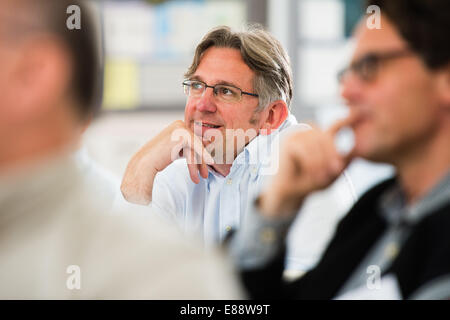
207 125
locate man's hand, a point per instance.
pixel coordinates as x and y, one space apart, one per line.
175 141
309 161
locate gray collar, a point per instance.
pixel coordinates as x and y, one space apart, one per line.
36 186
395 211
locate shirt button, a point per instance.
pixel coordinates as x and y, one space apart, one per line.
254 170
267 235
391 250
229 181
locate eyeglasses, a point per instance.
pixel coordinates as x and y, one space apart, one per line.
227 93
367 67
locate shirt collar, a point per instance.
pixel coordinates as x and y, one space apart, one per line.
42 181
437 197
255 148
394 209
249 155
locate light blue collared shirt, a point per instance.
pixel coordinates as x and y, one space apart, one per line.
216 205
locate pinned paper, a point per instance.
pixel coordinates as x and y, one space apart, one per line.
121 88
128 29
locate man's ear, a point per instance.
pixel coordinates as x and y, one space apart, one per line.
443 86
275 115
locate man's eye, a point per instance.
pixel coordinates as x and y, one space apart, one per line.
197 85
226 91
370 61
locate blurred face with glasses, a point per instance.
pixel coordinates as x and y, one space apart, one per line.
220 97
391 92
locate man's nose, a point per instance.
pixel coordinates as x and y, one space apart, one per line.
351 87
207 102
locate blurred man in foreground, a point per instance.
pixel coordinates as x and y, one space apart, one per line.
394 242
56 242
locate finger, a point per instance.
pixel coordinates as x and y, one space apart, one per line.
315 158
338 125
203 169
196 144
315 161
336 162
292 158
201 165
193 172
289 154
349 157
331 161
195 165
192 166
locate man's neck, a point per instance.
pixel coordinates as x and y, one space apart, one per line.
222 169
421 171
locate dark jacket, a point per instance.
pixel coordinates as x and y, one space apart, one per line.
424 256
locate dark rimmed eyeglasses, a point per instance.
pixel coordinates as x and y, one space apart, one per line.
196 88
366 68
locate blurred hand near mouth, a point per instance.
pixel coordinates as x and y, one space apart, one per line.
309 161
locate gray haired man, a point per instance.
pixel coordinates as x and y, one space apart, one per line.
239 89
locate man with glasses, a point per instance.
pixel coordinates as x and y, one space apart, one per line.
223 114
239 88
394 242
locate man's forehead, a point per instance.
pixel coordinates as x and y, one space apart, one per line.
368 40
223 65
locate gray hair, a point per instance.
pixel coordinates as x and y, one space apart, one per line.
263 54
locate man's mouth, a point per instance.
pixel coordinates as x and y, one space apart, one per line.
207 125
360 114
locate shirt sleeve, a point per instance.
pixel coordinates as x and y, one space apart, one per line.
164 198
258 240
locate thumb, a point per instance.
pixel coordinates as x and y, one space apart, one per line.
342 123
349 157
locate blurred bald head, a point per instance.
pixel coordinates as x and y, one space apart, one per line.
49 79
24 19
